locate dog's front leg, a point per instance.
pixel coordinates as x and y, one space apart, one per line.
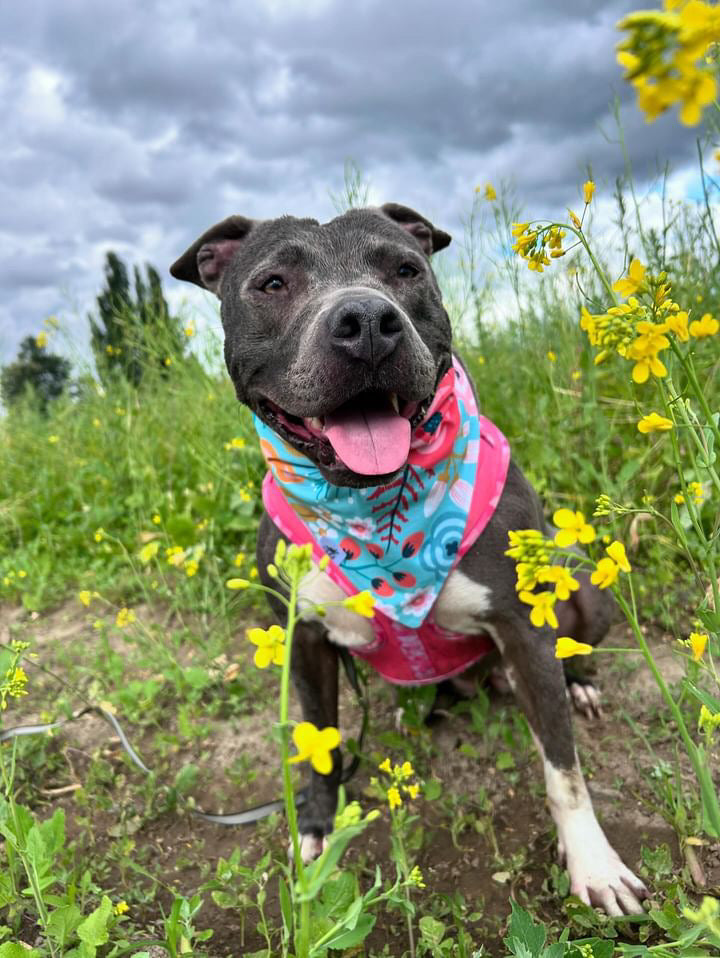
597 874
314 669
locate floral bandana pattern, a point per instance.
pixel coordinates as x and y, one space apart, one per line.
399 540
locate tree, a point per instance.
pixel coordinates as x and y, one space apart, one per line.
133 330
34 371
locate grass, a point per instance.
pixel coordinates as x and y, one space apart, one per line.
147 500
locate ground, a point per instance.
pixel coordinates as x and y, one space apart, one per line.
486 836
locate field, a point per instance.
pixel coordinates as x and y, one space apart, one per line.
125 510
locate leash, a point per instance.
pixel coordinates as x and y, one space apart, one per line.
249 815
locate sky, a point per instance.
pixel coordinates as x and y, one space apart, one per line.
134 126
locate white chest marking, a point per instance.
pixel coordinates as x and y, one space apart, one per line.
344 626
461 604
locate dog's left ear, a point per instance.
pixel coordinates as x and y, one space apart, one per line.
428 236
205 262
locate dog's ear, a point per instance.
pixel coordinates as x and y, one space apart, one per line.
205 261
428 236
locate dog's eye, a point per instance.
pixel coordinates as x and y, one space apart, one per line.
272 285
407 270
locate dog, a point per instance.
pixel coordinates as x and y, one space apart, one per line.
337 339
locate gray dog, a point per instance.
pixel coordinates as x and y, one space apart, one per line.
335 328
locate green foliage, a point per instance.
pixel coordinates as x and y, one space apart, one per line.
133 330
36 375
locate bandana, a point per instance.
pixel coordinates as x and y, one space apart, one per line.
401 540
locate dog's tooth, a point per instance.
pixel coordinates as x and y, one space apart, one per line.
395 402
315 422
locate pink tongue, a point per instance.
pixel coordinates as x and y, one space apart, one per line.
371 442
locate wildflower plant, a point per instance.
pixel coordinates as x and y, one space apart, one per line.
316 920
665 350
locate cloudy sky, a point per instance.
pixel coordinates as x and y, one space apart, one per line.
133 126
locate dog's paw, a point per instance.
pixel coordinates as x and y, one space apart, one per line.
599 877
585 699
311 847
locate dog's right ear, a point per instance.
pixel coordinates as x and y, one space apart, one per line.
205 261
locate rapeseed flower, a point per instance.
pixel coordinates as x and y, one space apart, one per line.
707 326
542 608
572 528
677 323
698 641
314 745
561 577
490 194
124 618
633 280
362 603
121 908
616 551
41 340
270 645
653 422
149 551
565 648
393 797
588 191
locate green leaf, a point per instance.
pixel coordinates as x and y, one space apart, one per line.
286 908
181 530
522 929
12 949
432 930
351 938
62 923
433 789
339 893
93 931
321 869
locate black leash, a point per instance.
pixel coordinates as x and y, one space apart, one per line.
248 816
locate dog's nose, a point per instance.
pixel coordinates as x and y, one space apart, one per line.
365 328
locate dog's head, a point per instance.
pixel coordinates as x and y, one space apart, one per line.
335 333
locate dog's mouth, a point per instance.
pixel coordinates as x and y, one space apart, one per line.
369 434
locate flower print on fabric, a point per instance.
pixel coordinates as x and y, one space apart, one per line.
400 540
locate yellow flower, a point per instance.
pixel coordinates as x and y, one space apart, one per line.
362 604
412 790
315 745
149 551
616 551
41 340
385 766
573 528
562 579
189 330
121 908
239 559
393 797
696 490
191 567
654 423
575 220
99 535
576 374
698 641
707 326
124 617
679 498
237 584
270 647
53 440
85 597
678 323
236 443
633 281
156 520
416 877
167 361
542 611
606 572
566 647
551 356
490 193
588 190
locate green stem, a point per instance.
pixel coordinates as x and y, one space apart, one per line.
710 802
302 941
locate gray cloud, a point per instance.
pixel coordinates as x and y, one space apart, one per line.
133 126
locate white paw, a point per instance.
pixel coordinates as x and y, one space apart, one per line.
599 877
586 699
311 847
